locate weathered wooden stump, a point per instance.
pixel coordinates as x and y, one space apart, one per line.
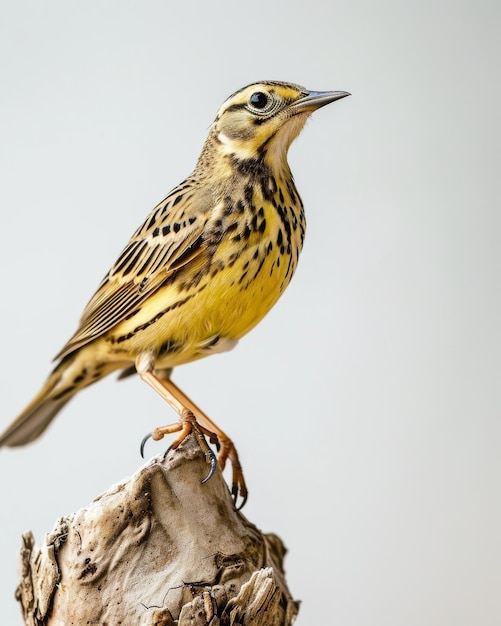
160 548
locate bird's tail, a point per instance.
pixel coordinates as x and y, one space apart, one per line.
35 418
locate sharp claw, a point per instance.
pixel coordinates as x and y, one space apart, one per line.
171 447
213 465
244 500
234 496
234 492
143 443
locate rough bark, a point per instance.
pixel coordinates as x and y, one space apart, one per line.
160 548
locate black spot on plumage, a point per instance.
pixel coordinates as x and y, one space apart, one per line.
253 167
263 148
166 229
234 256
302 233
288 231
262 226
280 237
285 223
163 210
248 194
178 199
176 227
215 233
268 187
273 184
292 193
281 196
169 346
259 267
62 394
242 278
290 268
132 314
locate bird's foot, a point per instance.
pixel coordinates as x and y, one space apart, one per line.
227 451
187 424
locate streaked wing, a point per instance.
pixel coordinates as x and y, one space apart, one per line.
170 237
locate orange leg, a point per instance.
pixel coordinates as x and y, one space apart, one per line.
185 408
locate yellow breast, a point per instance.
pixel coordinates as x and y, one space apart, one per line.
252 260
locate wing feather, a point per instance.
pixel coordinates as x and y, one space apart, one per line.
171 237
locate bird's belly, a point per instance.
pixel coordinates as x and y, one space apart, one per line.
179 325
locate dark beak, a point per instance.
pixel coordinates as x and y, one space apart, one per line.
313 100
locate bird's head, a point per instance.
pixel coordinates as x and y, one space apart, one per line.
261 120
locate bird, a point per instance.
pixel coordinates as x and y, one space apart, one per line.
205 266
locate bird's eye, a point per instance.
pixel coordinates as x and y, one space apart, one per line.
259 100
263 103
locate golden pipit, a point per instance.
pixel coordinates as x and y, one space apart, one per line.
204 268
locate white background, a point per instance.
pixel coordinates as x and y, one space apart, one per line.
366 406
